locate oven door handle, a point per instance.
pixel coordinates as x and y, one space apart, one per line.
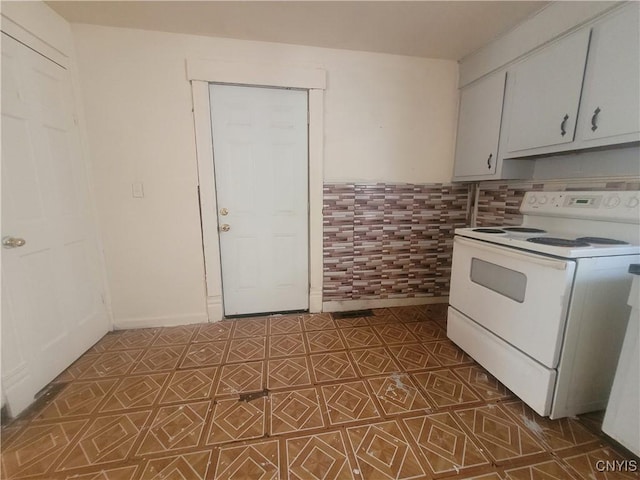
508 252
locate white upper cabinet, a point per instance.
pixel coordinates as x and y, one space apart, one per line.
479 127
543 95
610 107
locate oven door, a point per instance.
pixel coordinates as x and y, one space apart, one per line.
521 297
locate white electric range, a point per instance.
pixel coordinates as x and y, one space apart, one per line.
542 306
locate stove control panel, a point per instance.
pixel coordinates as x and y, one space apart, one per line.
616 206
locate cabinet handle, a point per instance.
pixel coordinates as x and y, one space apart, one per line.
594 119
489 161
563 131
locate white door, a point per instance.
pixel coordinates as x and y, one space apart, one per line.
261 163
52 310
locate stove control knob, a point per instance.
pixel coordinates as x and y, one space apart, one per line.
532 199
542 200
612 201
633 202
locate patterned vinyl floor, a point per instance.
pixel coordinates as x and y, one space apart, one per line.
297 397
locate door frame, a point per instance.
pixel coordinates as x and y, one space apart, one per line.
203 72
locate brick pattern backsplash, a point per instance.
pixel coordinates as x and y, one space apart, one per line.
499 203
390 240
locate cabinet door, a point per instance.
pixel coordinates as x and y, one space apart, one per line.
479 127
543 95
611 101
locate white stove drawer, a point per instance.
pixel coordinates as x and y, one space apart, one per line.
529 380
521 297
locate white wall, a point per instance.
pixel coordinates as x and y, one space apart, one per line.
387 118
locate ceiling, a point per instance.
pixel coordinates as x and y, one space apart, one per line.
430 29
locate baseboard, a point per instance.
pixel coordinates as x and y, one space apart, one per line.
215 310
347 305
151 322
315 302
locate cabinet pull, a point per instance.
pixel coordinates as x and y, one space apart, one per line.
489 161
563 131
594 119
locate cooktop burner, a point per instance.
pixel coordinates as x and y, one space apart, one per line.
558 242
524 230
488 230
602 241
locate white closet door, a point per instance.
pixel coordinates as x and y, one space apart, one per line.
51 286
260 139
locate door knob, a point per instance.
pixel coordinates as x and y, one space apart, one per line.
224 211
12 242
225 227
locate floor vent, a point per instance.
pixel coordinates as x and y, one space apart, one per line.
353 314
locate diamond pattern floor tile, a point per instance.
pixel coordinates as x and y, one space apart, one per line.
445 445
259 461
108 439
191 466
394 333
175 335
427 331
414 356
332 367
80 398
235 420
175 427
135 392
382 451
159 359
324 341
239 378
132 339
111 364
360 337
381 316
444 389
288 372
348 402
557 435
410 314
204 354
34 450
318 457
186 385
448 353
398 394
295 411
550 470
250 327
501 437
294 397
483 383
351 322
284 324
117 473
211 332
318 321
286 345
374 361
247 349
